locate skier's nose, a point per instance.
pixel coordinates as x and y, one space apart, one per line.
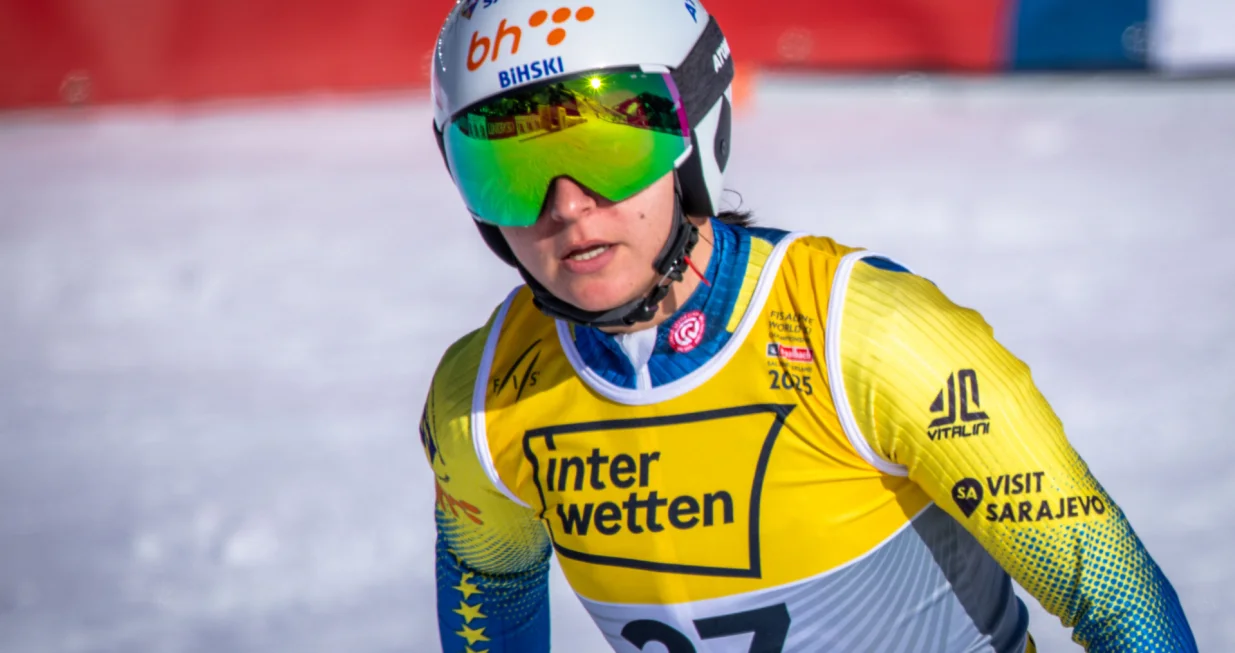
569 201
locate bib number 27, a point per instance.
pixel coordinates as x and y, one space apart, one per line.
770 626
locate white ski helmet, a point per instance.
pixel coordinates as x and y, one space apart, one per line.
487 48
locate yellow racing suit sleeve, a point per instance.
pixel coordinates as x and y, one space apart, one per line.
932 391
492 553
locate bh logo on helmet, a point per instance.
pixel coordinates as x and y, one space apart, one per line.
484 48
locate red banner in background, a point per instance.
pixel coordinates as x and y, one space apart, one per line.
107 51
53 51
866 35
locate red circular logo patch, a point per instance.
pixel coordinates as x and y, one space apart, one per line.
687 332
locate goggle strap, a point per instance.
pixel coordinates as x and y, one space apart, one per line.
698 80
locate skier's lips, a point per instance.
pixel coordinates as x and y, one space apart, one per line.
582 246
591 265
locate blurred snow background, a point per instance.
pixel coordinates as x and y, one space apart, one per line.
217 326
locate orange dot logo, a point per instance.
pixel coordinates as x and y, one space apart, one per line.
558 34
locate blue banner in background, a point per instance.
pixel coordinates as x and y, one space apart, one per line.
1079 35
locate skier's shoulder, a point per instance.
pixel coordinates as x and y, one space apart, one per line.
824 261
460 360
879 298
458 365
818 247
882 285
820 253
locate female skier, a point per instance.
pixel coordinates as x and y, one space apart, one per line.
735 438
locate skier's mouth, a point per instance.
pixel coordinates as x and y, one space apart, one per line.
588 257
587 253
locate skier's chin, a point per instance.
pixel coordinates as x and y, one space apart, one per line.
599 297
602 292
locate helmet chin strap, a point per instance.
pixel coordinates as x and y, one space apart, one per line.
671 264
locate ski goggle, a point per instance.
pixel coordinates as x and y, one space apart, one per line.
614 131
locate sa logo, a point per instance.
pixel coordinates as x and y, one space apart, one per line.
967 493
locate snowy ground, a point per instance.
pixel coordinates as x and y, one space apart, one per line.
217 325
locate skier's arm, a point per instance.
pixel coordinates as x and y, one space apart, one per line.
492 554
933 391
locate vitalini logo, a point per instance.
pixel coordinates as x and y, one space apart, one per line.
484 48
972 422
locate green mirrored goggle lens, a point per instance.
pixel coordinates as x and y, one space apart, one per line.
615 132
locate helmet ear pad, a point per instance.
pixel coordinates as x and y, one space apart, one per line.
702 175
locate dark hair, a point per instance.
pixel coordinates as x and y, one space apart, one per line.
737 217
